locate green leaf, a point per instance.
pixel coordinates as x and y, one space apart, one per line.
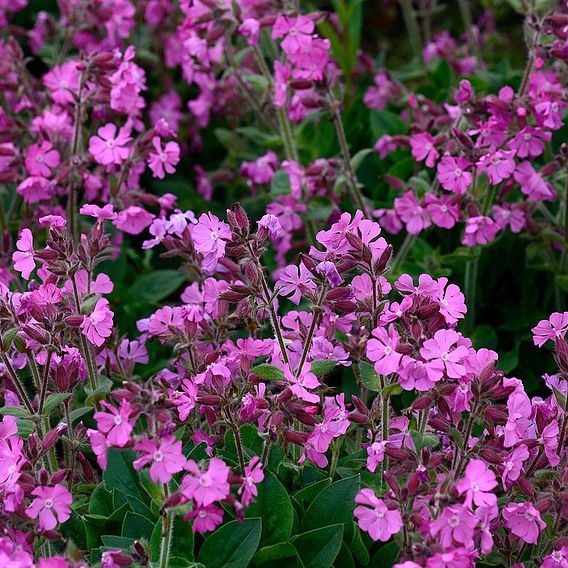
386 122
156 285
385 557
280 184
54 400
274 507
121 476
357 547
25 428
137 526
120 542
358 158
74 415
344 558
232 546
333 505
182 540
101 502
93 396
271 554
269 372
509 361
320 547
423 440
392 390
311 491
323 366
14 411
369 377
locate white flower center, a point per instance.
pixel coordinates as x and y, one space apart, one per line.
110 143
458 172
444 356
118 420
158 456
454 521
388 350
48 504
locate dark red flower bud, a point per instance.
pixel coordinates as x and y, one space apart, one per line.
491 456
421 403
526 486
298 438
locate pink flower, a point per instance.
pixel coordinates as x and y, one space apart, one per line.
205 519
510 215
423 148
451 302
553 328
465 92
441 357
185 402
443 212
556 559
100 446
452 174
117 425
63 83
272 224
40 159
250 29
513 465
532 184
52 506
261 171
209 238
304 381
497 165
163 160
206 487
479 231
381 350
297 33
100 213
455 525
549 440
108 147
133 220
98 326
281 76
35 188
410 211
524 521
253 475
529 142
479 480
23 258
375 517
328 270
456 558
166 458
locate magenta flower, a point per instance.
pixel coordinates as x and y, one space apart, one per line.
375 517
281 76
443 212
452 174
513 465
166 458
455 558
51 505
328 270
532 184
100 213
98 326
442 356
117 425
498 165
423 148
556 559
455 525
529 142
23 258
253 475
305 381
465 92
250 29
63 83
512 216
271 223
163 160
261 171
381 350
477 484
524 521
205 519
553 328
41 159
108 147
206 487
35 188
549 440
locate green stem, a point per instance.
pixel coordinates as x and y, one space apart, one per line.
22 394
167 533
44 382
308 342
412 28
470 289
239 445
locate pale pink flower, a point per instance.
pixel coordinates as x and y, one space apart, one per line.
304 382
35 188
442 355
210 236
100 446
451 302
97 326
133 220
165 456
206 487
374 517
23 258
381 350
185 401
51 504
513 465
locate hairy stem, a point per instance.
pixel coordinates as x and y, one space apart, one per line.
22 394
412 29
167 533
